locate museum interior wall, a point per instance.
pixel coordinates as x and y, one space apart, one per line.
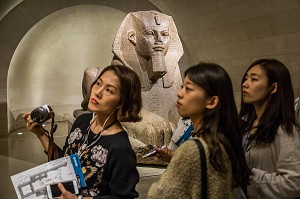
45 45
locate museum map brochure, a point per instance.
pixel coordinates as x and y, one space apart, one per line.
32 182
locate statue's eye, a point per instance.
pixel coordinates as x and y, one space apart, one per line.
149 32
165 33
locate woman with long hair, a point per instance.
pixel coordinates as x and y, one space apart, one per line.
207 99
271 141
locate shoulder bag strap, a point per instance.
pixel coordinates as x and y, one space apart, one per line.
203 169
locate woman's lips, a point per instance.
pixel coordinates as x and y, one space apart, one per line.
178 105
94 101
245 93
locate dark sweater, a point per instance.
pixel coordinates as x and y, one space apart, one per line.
109 164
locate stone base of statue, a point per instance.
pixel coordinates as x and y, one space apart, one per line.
152 130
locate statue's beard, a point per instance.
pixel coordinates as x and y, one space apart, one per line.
158 64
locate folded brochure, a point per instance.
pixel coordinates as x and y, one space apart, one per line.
32 182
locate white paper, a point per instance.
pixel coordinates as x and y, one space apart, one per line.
32 182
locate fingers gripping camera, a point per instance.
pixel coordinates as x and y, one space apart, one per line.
42 114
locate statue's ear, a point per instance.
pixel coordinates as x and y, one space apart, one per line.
132 37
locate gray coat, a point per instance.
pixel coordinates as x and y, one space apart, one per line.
275 167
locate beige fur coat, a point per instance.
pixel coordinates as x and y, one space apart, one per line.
182 178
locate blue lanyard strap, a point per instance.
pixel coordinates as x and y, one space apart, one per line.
186 135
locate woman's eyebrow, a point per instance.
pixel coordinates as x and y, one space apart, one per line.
252 75
108 84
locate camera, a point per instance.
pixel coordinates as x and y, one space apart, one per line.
41 114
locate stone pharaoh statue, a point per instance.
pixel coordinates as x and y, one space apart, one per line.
148 42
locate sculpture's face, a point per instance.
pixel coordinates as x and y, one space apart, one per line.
153 36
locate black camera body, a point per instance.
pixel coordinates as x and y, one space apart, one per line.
41 114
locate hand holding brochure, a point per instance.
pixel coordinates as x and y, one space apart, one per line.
32 182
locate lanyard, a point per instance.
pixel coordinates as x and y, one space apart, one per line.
186 135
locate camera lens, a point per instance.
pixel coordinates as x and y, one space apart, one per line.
39 114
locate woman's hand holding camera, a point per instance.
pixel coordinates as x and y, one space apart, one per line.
32 126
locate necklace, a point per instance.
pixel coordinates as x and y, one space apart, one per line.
85 145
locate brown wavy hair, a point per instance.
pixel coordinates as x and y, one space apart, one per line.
131 97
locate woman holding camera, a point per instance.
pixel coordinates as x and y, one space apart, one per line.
106 155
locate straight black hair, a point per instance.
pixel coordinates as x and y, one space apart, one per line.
280 108
220 125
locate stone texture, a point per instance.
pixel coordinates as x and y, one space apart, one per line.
148 42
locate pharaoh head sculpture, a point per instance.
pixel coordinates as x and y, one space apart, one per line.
148 42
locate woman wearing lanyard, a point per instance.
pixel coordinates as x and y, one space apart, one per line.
107 159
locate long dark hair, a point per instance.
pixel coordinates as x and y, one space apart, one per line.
220 125
280 108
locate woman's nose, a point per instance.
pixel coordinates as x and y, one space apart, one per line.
99 92
179 94
245 84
